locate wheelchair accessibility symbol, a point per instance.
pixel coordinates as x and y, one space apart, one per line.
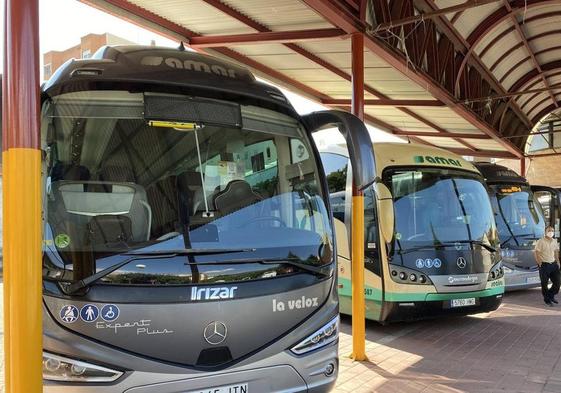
69 314
110 312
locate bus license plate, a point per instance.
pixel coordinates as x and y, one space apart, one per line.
239 388
463 302
533 280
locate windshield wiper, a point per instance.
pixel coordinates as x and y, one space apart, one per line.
72 288
323 271
478 242
446 244
516 236
419 248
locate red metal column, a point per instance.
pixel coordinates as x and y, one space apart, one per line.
523 167
21 160
357 48
357 230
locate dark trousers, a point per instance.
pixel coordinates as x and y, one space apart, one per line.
549 271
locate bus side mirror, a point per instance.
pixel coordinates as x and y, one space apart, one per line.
358 141
385 211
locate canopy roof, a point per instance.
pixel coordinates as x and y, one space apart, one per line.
449 73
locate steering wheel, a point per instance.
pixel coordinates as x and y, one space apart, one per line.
415 236
264 218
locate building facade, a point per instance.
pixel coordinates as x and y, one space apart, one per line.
88 45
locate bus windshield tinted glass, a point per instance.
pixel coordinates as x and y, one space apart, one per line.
117 183
439 206
520 218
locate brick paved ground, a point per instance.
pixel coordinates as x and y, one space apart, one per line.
514 349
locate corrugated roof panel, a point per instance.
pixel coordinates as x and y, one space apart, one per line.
280 15
472 17
513 57
550 55
195 15
517 74
547 41
541 25
311 74
535 10
280 62
331 87
444 142
264 50
381 74
554 79
445 118
396 118
527 101
542 106
339 45
506 41
487 144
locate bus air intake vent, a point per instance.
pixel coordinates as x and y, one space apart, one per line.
196 110
277 95
212 357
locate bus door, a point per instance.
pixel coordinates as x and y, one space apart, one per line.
550 200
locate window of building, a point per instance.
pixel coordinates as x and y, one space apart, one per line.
47 71
86 54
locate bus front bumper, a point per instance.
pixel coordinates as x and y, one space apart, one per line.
273 369
435 306
521 279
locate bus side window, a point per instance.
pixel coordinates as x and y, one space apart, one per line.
371 256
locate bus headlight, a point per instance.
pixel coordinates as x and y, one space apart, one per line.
59 368
320 338
405 275
496 272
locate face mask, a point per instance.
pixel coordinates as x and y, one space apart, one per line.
549 234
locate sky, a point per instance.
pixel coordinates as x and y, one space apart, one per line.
63 22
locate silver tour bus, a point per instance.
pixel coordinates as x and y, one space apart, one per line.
520 222
188 242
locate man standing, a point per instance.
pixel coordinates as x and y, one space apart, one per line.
547 258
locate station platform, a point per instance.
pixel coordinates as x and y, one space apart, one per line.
514 349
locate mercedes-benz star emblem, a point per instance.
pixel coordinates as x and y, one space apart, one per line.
215 333
461 262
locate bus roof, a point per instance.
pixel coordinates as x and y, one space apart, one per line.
134 65
494 173
409 154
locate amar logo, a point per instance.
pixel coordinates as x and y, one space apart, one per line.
436 160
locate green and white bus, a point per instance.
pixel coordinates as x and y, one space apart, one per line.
431 245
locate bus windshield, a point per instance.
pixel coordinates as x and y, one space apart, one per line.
117 183
439 207
520 218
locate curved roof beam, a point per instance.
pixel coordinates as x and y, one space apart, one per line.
494 20
549 75
547 110
517 46
514 67
501 15
541 103
533 97
531 86
531 75
509 30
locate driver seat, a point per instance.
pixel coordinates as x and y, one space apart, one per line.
236 195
